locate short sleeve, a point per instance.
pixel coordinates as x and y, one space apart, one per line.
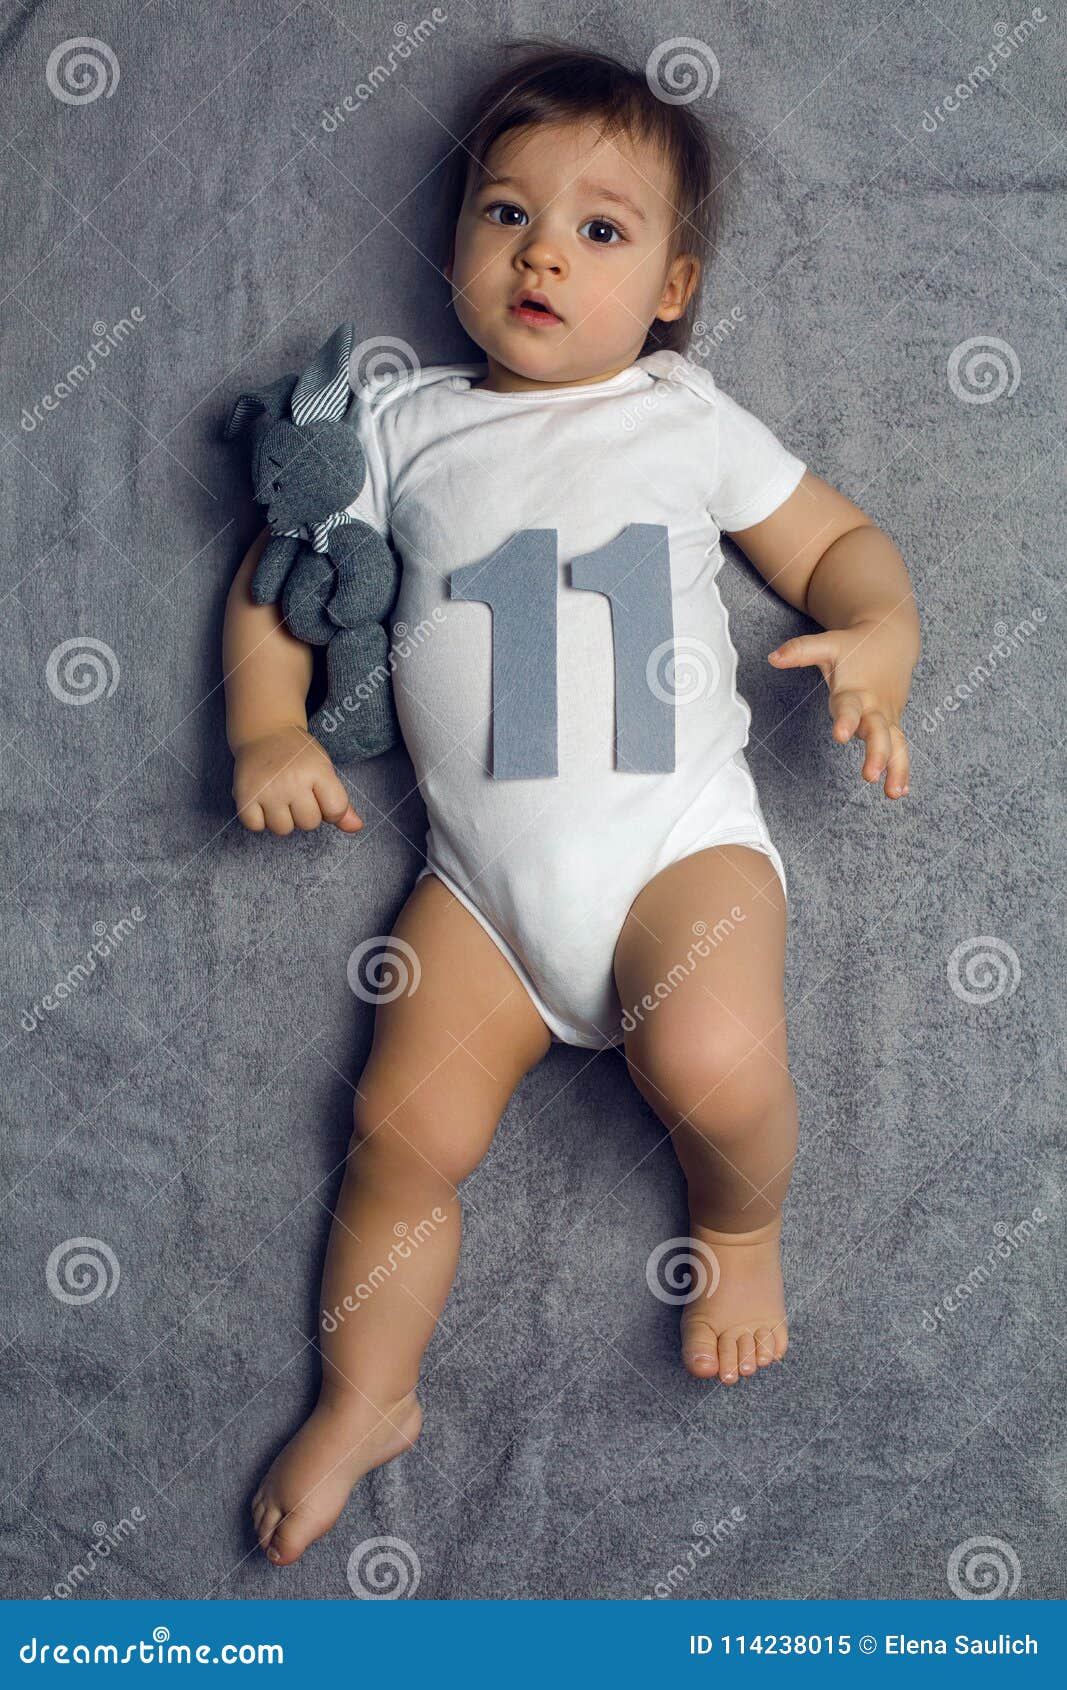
754 473
374 504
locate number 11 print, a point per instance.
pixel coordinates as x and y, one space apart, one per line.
518 582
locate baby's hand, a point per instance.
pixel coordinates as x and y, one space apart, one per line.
867 668
285 780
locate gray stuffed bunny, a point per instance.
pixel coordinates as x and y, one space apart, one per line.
334 576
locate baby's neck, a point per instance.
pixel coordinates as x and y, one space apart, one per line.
500 379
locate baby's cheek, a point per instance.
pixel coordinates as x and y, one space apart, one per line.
475 263
614 312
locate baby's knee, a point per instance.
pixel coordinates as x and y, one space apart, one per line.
408 1139
721 1084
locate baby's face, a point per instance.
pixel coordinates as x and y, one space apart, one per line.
583 220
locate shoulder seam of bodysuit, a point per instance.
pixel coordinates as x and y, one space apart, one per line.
697 379
380 392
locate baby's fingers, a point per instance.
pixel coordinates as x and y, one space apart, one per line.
278 819
896 780
252 817
335 804
305 811
874 729
846 709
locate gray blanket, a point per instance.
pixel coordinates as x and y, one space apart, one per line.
190 208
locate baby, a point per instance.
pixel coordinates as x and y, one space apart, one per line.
598 869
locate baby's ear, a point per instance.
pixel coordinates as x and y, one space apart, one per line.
263 404
323 391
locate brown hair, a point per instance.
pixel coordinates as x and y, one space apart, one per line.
557 82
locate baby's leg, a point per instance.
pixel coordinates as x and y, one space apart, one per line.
444 1062
711 1058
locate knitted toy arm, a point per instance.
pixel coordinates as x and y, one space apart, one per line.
368 575
279 555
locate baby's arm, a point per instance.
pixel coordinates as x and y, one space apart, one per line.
283 778
823 555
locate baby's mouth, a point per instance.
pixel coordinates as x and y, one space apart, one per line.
533 311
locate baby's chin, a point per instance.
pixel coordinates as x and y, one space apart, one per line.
553 368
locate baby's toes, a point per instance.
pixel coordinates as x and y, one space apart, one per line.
765 1348
269 1516
700 1349
291 1538
728 1360
746 1353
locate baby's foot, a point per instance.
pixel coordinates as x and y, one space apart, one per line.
308 1484
741 1324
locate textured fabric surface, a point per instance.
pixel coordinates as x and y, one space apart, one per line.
191 220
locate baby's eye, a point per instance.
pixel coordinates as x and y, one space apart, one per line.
502 205
602 223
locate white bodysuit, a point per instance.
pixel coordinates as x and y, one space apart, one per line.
563 671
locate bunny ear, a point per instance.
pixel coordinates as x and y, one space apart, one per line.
247 407
323 390
269 403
